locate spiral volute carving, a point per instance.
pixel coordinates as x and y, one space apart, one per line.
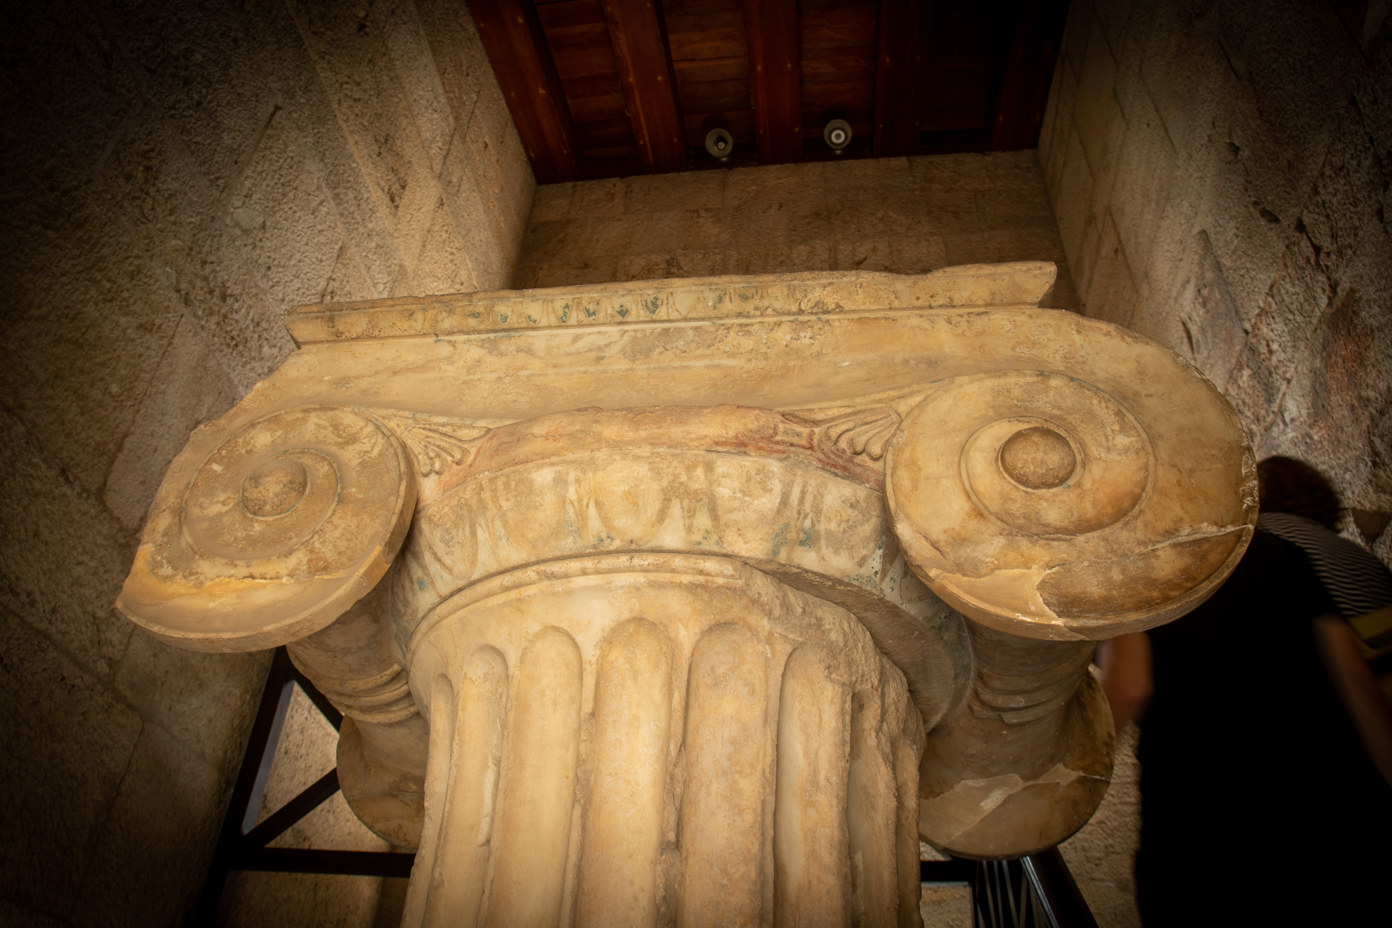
1048 505
276 531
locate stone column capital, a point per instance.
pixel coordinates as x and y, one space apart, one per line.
984 486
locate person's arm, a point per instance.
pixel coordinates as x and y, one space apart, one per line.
1358 689
1127 675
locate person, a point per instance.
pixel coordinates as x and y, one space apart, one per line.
1265 737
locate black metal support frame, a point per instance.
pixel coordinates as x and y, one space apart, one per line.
242 843
1028 892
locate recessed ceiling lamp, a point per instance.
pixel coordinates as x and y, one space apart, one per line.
837 135
719 143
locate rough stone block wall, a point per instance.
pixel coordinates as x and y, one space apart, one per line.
903 215
176 175
1220 172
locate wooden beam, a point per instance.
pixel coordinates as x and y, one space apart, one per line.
775 78
1029 65
898 51
645 71
517 49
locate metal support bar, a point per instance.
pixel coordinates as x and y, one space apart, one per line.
242 842
317 860
1028 892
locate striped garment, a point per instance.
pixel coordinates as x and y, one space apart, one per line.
1358 583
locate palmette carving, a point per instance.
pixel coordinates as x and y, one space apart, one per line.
435 442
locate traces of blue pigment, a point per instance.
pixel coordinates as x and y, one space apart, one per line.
780 539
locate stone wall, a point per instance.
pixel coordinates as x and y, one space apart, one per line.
176 176
1220 172
903 215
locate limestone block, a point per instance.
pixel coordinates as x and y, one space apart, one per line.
1076 32
775 184
717 594
1343 206
311 108
209 81
1213 330
1097 108
598 199
461 64
444 263
1022 208
163 825
859 221
206 701
282 218
67 749
1296 303
1005 245
1296 61
470 208
947 197
1128 29
686 191
551 204
348 280
1185 70
80 266
1073 206
1340 391
74 103
347 47
1147 156
1058 113
1102 854
923 254
188 388
659 265
477 182
1111 292
1374 98
47 520
877 180
702 230
420 80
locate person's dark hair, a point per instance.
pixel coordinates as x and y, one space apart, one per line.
1288 485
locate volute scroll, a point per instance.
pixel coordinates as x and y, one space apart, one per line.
1070 504
273 533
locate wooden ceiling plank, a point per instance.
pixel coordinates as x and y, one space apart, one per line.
897 50
712 69
1024 89
645 70
772 29
516 46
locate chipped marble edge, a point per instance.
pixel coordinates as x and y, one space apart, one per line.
693 299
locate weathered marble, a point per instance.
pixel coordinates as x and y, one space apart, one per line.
699 602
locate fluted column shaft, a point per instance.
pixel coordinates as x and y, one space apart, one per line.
656 740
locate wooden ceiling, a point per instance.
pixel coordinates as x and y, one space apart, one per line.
611 88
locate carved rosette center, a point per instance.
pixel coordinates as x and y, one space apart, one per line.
274 488
1038 458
